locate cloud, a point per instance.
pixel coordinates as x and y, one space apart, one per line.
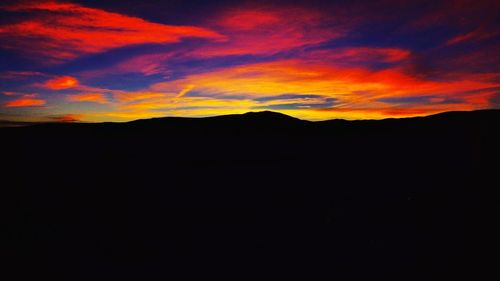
306 88
185 91
361 61
259 33
88 97
416 100
148 104
20 74
146 64
294 101
61 83
138 96
369 112
296 105
167 104
25 102
358 55
478 34
269 30
458 13
247 30
64 31
347 86
287 97
66 118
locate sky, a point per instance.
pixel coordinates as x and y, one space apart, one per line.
97 61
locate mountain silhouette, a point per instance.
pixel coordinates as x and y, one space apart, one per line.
250 195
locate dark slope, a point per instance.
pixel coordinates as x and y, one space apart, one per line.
252 196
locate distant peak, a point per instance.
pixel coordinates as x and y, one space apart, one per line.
268 113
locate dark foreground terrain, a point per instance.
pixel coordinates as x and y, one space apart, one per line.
251 197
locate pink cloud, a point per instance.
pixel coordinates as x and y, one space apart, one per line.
477 34
358 55
265 31
148 64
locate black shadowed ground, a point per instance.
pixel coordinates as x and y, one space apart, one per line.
249 197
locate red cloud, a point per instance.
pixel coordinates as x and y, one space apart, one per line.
25 102
67 118
61 31
249 31
61 83
88 97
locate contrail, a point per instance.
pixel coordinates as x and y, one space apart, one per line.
184 91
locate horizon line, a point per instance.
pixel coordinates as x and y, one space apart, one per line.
17 124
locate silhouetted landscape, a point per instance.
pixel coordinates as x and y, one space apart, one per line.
249 197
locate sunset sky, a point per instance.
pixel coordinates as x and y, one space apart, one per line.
96 61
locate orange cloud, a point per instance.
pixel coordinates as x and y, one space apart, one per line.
172 106
357 91
367 113
61 83
88 97
25 102
137 96
62 31
309 89
273 78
